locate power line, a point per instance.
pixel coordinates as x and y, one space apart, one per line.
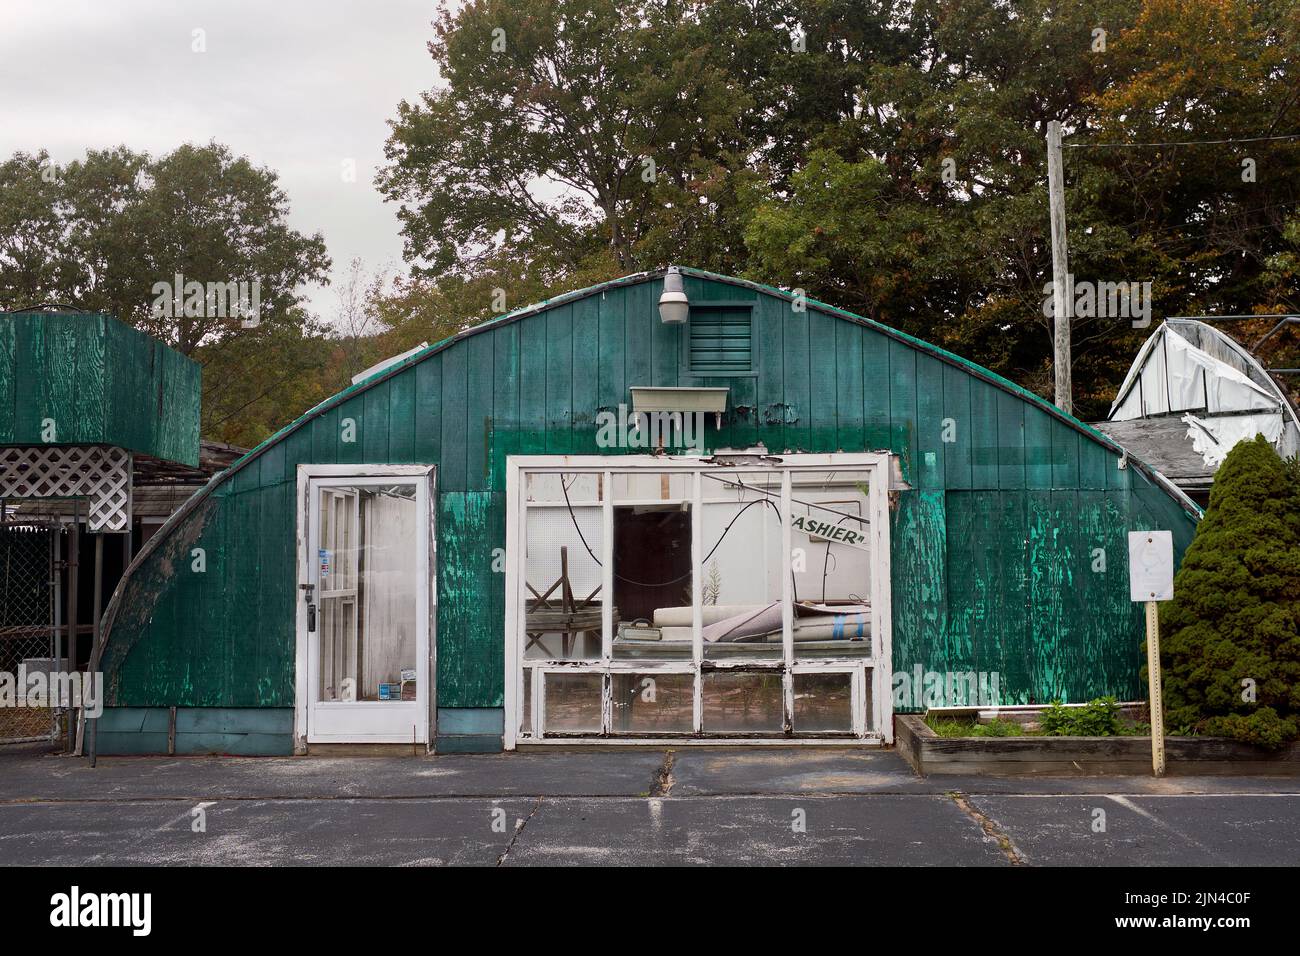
1187 142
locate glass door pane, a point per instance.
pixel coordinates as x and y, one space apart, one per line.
367 592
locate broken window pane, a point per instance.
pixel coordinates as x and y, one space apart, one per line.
557 488
830 528
562 575
652 566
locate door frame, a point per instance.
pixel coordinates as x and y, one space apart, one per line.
302 536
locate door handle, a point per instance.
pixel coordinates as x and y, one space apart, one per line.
308 593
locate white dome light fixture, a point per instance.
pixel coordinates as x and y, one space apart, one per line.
674 307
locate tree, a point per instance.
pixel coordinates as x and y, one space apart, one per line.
232 219
107 232
1231 644
556 123
257 382
848 234
950 107
35 261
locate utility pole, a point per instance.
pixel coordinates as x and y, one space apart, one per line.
1062 290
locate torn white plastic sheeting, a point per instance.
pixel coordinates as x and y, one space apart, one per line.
1173 375
1213 438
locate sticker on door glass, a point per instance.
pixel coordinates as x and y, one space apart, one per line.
326 560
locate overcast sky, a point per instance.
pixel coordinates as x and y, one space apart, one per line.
296 85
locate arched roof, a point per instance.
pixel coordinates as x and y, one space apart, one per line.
525 312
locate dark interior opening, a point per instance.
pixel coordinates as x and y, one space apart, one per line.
652 560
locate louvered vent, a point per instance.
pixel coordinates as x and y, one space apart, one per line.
720 339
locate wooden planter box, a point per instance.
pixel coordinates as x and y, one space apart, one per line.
928 753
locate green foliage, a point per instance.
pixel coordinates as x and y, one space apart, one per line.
888 158
1097 718
585 94
1263 727
997 727
1234 622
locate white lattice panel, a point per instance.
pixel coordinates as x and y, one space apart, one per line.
99 473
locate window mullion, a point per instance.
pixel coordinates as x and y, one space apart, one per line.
697 597
606 600
787 600
607 570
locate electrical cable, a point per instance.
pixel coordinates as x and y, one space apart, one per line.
647 584
1186 142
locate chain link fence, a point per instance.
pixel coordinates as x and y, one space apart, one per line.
28 552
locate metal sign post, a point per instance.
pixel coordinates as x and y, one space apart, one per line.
1151 580
1153 690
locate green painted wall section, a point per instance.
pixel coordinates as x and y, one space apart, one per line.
100 382
993 551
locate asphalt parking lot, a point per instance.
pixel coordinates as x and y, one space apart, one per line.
651 807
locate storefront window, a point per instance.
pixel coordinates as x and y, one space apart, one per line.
668 597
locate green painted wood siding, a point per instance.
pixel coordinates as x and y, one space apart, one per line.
993 551
100 382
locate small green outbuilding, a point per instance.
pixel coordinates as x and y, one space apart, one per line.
674 506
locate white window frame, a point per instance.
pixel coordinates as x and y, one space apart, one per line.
873 671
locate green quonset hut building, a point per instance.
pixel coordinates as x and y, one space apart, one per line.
741 517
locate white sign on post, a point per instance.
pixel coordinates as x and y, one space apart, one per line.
1151 565
1151 579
